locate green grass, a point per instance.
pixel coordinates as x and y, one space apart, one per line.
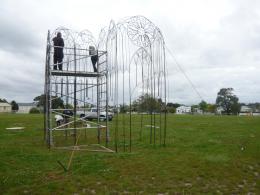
203 155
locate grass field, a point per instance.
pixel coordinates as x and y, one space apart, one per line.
203 155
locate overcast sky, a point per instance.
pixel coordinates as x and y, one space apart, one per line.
216 42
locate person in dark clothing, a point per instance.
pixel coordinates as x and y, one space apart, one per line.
94 57
58 51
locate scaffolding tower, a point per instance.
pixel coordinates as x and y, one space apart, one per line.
70 92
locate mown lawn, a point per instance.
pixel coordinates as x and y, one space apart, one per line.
203 155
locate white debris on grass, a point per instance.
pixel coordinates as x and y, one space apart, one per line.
14 128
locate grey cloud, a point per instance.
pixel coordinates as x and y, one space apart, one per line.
216 57
16 37
209 81
213 58
21 86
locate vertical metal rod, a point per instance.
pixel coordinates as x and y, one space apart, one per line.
154 129
165 111
47 94
82 91
116 98
92 90
151 127
56 87
107 129
160 126
124 140
98 101
49 108
75 96
142 64
151 95
130 106
154 91
130 130
67 100
124 125
84 98
61 88
141 130
86 92
45 88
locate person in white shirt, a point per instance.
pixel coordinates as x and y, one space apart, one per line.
94 57
59 119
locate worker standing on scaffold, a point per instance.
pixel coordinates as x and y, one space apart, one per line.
58 51
94 57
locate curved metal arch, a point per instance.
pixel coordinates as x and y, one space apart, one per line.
148 62
102 38
72 38
87 38
137 53
112 30
159 35
67 35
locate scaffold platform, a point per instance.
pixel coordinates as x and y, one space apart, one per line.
75 73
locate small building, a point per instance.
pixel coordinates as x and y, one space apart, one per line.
25 107
197 111
183 110
5 107
256 113
246 111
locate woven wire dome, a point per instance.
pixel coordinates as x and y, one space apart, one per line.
76 50
136 52
72 38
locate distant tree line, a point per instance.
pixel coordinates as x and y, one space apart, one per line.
227 102
144 103
56 102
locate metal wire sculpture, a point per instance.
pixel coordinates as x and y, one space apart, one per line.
137 70
131 73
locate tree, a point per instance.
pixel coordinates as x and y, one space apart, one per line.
211 108
124 108
40 100
173 105
203 106
171 109
194 107
147 103
34 111
14 105
3 100
228 101
57 102
235 108
70 106
134 106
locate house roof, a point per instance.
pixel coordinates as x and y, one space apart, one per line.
26 104
246 109
184 107
2 104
